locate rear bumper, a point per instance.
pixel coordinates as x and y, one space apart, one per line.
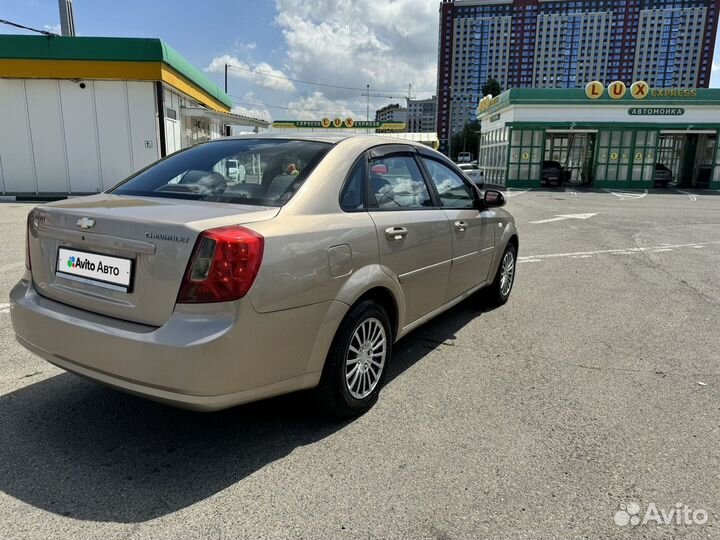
205 357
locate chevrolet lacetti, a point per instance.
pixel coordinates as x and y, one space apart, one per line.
199 287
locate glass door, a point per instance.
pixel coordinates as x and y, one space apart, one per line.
642 174
613 158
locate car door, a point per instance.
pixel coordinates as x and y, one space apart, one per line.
413 233
473 237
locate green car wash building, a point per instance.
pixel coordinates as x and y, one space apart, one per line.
615 137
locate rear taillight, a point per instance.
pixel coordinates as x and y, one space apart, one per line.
223 265
28 265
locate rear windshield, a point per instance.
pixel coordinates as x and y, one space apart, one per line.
263 172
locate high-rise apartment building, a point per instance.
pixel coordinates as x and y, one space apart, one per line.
421 115
566 44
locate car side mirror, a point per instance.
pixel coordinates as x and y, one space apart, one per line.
493 199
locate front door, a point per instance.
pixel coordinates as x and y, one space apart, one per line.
413 235
472 232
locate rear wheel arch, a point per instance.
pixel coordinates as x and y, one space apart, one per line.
334 393
386 299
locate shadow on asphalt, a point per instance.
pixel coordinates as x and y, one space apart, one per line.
75 448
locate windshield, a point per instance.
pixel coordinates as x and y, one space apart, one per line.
244 171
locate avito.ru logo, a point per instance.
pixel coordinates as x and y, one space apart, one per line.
86 264
82 264
631 514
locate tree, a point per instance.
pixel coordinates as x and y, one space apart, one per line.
491 88
467 140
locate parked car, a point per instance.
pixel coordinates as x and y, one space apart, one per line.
473 172
206 300
703 177
464 157
553 172
663 175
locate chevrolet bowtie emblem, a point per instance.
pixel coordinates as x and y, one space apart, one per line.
86 223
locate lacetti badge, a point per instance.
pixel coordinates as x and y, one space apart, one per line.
167 237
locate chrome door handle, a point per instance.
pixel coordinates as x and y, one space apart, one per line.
460 226
395 233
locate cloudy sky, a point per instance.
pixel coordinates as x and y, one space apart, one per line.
387 44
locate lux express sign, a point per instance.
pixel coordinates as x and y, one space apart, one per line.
638 90
338 123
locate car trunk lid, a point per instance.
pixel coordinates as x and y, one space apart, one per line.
81 249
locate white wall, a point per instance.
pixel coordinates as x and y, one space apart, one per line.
57 138
173 129
17 166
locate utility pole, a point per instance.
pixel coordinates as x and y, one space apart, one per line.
67 18
367 111
226 66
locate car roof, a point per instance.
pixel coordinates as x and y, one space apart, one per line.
370 139
332 138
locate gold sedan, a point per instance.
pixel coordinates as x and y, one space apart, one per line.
188 285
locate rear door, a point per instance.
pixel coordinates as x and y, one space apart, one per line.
472 232
413 233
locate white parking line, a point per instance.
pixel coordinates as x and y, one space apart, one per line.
692 196
4 308
627 195
562 217
512 192
625 251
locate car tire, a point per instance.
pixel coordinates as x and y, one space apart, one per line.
499 292
352 378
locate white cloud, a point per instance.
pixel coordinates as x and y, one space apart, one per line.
715 75
252 112
386 44
262 74
249 46
54 28
316 106
354 43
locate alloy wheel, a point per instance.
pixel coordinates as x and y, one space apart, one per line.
507 273
365 359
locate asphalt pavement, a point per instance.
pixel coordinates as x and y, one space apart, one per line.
591 398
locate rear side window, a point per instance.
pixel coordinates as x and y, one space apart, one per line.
353 193
265 172
396 183
453 191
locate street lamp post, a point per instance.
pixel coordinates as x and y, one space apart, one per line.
367 110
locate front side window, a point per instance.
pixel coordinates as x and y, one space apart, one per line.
453 191
263 172
397 183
